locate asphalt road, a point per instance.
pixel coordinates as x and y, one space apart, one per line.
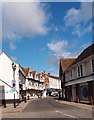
49 108
46 104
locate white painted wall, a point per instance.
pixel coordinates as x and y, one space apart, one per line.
54 83
6 74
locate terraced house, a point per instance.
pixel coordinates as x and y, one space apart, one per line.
77 77
34 82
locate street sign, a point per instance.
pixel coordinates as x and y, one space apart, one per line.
14 84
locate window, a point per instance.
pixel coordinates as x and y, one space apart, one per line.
29 82
93 65
33 84
30 73
80 71
70 73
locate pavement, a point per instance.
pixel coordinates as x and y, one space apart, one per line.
10 107
79 105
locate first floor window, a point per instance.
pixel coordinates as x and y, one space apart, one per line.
81 69
93 65
78 71
71 73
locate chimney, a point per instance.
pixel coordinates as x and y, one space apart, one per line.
43 71
48 73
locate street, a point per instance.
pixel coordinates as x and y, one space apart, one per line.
49 108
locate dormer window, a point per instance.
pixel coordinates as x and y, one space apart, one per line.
30 73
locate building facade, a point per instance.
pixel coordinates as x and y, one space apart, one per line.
52 83
7 80
78 78
12 82
34 82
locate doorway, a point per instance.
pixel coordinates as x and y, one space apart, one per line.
73 93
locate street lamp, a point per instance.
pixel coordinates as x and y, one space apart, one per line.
13 84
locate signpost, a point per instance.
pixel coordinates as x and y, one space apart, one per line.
14 82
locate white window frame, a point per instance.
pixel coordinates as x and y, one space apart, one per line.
80 73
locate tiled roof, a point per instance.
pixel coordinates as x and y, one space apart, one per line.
86 53
38 76
33 74
65 62
43 74
52 76
21 69
26 71
46 80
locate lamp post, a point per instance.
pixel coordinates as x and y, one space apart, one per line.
13 84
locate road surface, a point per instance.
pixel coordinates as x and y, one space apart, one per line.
49 108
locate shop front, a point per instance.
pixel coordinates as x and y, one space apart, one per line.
87 92
83 90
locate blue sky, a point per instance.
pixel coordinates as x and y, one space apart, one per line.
37 35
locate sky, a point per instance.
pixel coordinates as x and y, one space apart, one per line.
38 34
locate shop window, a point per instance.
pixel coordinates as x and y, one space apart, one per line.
93 65
84 92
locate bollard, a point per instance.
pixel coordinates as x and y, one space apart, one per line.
25 99
28 97
14 101
4 103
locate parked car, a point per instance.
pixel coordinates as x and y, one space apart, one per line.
55 94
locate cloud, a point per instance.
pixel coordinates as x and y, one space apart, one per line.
78 19
14 59
80 31
84 46
52 60
72 17
42 49
12 46
23 19
59 48
54 28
